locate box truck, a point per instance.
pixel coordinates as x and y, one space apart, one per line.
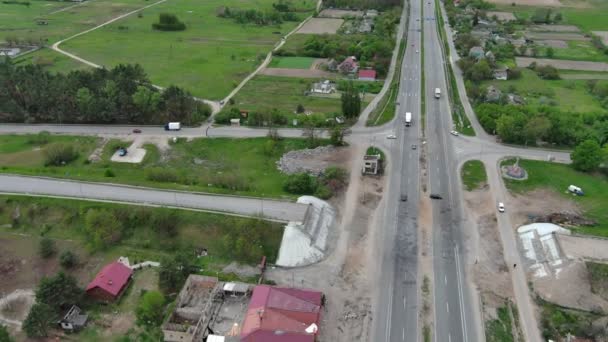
408 119
173 126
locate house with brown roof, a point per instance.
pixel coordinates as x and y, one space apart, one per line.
110 282
349 65
277 314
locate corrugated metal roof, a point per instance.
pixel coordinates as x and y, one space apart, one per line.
112 278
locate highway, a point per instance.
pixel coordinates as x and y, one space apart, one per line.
455 316
247 206
397 304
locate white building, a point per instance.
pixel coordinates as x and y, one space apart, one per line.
325 87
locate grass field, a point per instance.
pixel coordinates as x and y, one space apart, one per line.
20 21
578 51
588 19
206 165
291 62
558 321
51 61
209 58
568 95
296 42
265 93
557 177
499 329
474 175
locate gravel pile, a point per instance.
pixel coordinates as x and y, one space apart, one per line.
299 161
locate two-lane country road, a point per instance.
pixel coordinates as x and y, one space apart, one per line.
246 206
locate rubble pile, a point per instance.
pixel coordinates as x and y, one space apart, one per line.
299 161
565 219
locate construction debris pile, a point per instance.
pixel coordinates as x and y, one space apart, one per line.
307 160
564 219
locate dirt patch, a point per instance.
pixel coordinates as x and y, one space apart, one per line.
313 161
563 64
502 16
337 13
583 247
96 154
15 306
524 208
241 270
321 26
303 73
558 44
554 28
603 35
556 36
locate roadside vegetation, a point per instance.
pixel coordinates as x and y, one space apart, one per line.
558 321
121 95
386 109
474 175
501 328
220 165
558 177
598 278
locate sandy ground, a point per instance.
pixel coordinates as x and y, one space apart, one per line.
559 44
504 16
554 28
536 203
336 13
563 64
343 276
580 248
304 73
556 36
603 35
321 26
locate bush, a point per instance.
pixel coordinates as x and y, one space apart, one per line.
547 72
168 22
162 175
301 183
59 154
224 116
109 173
46 248
149 311
323 192
68 259
41 138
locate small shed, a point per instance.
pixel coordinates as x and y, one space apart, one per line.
73 320
367 75
235 289
235 122
477 52
110 282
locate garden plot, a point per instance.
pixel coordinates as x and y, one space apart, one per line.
554 28
337 13
563 64
321 26
556 36
503 16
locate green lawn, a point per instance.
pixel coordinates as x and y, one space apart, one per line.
295 42
209 58
140 238
265 93
51 60
474 175
567 95
291 62
577 51
557 321
222 165
558 177
21 21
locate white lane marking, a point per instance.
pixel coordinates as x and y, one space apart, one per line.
447 306
446 279
403 334
461 297
449 337
404 301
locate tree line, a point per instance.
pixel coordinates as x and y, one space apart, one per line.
362 4
275 16
121 95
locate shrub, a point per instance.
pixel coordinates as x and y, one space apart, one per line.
168 22
59 154
150 309
41 138
68 259
301 183
46 248
109 173
323 192
547 72
162 175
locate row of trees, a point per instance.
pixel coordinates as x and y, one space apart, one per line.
362 4
122 95
257 17
168 22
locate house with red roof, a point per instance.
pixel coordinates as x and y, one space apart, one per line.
277 314
367 75
110 282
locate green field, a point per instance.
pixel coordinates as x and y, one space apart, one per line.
265 93
474 175
243 166
558 177
51 60
291 62
577 51
567 95
21 21
590 16
295 43
500 329
209 58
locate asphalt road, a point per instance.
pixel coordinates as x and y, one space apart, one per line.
276 210
454 314
397 314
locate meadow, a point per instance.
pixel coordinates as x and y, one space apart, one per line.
209 58
291 62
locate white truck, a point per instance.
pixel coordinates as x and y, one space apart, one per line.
173 126
408 119
437 93
576 190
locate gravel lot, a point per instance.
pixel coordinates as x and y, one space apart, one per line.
336 13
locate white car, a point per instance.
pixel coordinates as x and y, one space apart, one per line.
454 133
416 51
501 207
391 136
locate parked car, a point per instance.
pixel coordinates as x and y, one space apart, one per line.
454 133
414 147
436 196
137 130
122 152
403 198
416 51
501 207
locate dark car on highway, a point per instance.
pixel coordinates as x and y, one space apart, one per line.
137 130
436 196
